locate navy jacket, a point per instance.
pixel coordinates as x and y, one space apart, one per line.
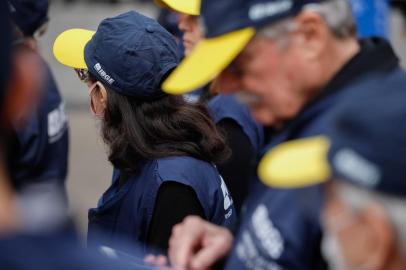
40 149
126 211
280 228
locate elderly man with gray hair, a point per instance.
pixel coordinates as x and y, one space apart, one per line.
364 217
292 62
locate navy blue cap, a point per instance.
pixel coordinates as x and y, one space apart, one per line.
5 49
131 54
224 16
368 139
29 15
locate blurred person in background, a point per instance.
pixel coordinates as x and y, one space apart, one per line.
162 148
364 217
244 135
32 234
292 62
39 150
169 20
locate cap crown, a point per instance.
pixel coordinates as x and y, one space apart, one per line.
29 15
368 138
223 16
131 53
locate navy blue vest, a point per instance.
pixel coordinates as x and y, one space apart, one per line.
41 148
126 212
227 106
280 228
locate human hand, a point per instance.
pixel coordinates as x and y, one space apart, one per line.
196 244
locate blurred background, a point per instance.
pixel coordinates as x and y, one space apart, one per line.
89 170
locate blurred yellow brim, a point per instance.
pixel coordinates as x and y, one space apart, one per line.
206 61
190 7
296 164
69 47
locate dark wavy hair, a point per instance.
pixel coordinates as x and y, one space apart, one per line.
137 130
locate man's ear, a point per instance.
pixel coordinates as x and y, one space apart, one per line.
383 236
312 33
25 86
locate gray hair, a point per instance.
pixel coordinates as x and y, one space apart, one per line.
394 207
336 13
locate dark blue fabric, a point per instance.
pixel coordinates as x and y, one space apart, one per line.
5 49
279 232
371 133
126 212
57 251
41 148
221 17
227 106
131 54
285 233
29 15
294 223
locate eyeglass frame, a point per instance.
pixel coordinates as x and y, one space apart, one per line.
83 74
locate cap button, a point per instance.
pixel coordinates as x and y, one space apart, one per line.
149 29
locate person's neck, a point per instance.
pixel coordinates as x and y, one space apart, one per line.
339 53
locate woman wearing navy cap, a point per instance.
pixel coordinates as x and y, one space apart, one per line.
162 148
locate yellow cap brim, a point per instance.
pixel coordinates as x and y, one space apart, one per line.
206 61
190 7
69 47
296 164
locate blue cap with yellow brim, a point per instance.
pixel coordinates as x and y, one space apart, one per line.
206 61
130 53
229 25
190 7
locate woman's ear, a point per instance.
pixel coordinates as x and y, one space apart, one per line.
313 34
98 99
103 96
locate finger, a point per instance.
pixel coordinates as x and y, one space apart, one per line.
212 252
187 236
150 259
207 257
161 260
